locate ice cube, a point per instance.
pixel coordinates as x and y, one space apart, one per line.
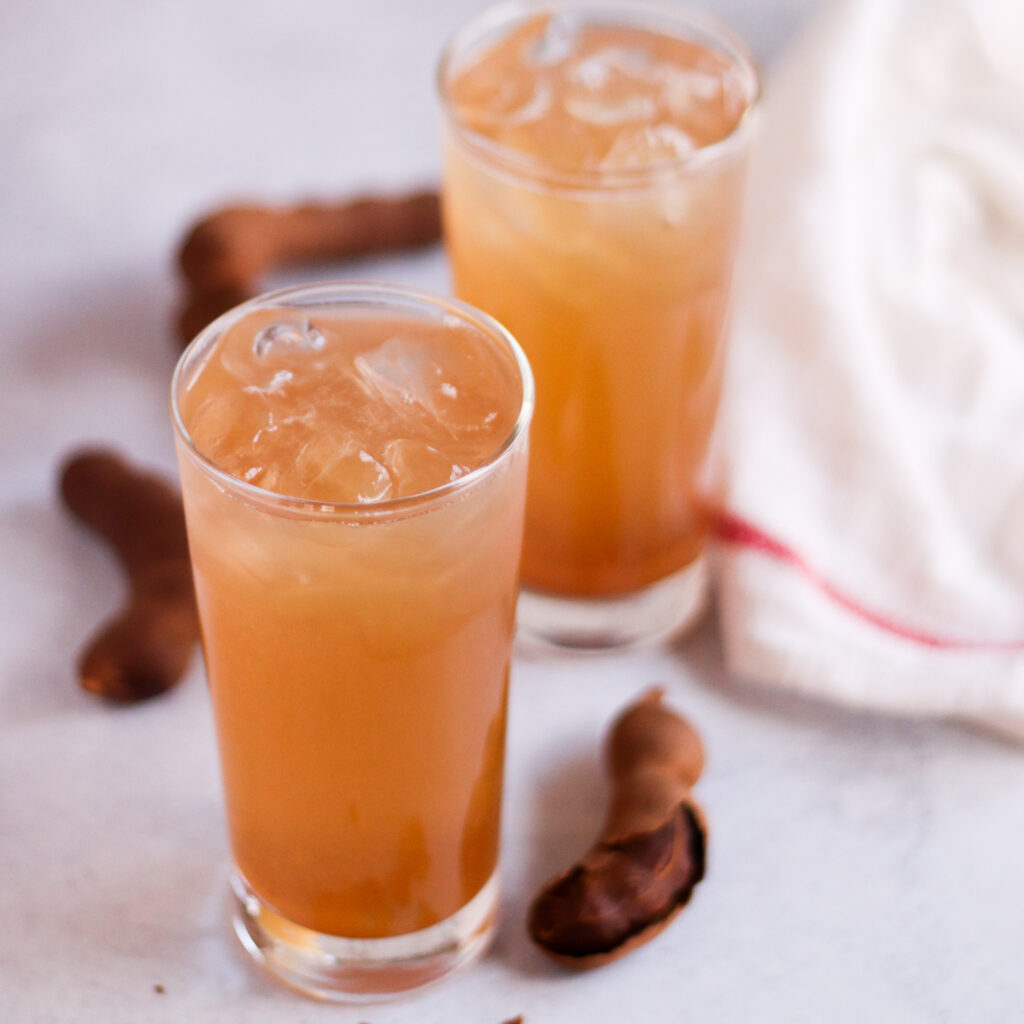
267 477
647 145
511 103
601 93
416 467
233 429
247 349
558 43
441 392
598 110
246 553
297 333
591 73
532 108
332 469
275 386
228 424
683 89
500 90
636 61
405 373
598 70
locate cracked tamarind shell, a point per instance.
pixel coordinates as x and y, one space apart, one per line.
649 856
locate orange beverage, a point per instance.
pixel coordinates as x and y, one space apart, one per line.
353 463
594 168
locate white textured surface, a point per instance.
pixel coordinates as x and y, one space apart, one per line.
861 868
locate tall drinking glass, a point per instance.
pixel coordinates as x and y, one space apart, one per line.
353 465
595 156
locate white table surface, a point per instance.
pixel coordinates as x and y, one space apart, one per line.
861 868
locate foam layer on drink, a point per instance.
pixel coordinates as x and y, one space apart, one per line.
588 96
345 407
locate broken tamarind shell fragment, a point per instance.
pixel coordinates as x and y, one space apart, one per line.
226 254
146 648
651 851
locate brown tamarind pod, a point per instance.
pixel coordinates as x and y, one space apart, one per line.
145 648
651 851
227 253
204 307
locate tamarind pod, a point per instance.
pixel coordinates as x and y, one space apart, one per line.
361 227
238 244
202 308
621 895
650 854
648 734
145 648
227 253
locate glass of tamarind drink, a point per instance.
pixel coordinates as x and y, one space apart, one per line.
595 157
353 465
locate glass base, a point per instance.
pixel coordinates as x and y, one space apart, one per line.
655 613
362 970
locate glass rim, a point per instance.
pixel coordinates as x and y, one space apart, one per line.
376 294
676 21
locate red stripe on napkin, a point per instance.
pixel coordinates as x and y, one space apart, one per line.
731 529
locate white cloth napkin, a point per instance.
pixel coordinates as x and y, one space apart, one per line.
873 429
